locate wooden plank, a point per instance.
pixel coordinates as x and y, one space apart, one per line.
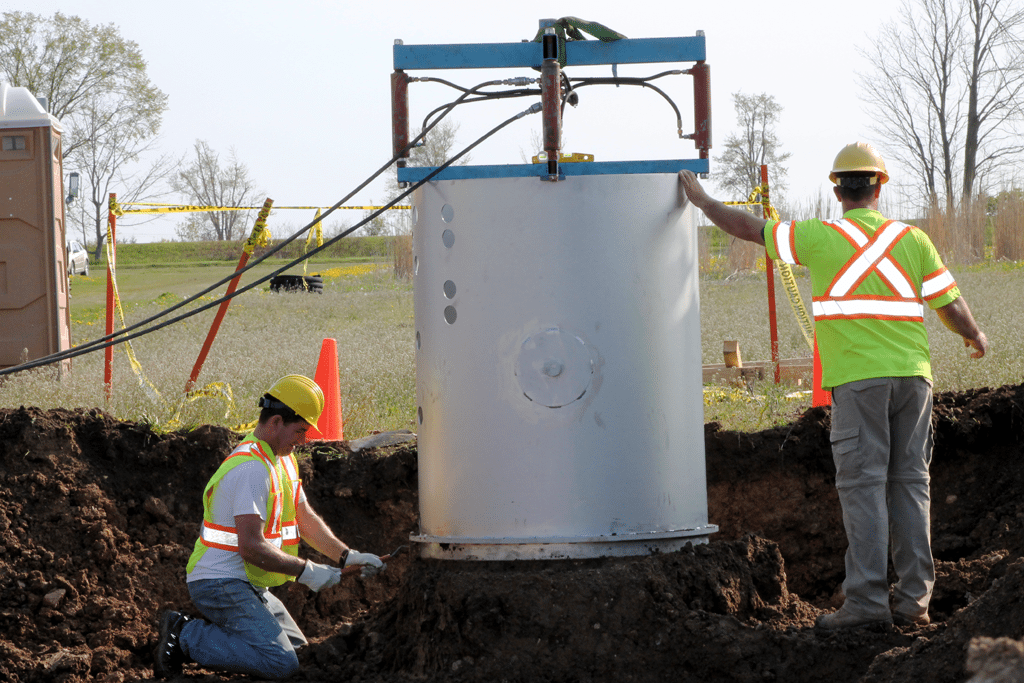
798 371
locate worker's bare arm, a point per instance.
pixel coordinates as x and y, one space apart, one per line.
731 219
257 550
958 318
315 532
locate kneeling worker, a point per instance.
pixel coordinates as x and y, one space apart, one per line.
254 513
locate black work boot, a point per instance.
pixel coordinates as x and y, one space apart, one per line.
168 656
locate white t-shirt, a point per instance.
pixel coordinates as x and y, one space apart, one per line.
242 491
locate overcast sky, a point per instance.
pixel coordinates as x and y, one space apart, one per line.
300 90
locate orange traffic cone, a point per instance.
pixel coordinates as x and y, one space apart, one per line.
330 426
819 397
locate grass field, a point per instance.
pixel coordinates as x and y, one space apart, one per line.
737 308
266 335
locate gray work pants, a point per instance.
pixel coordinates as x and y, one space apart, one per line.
882 447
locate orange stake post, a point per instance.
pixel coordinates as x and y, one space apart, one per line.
773 325
819 397
112 250
261 222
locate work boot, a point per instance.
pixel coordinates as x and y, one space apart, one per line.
842 619
168 656
901 619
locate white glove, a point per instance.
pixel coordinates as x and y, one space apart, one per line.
371 563
319 576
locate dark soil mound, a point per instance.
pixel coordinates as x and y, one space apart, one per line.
97 519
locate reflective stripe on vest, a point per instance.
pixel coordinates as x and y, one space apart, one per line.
280 527
288 538
785 241
936 284
872 255
290 528
225 537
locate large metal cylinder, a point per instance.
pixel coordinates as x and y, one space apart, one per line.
558 376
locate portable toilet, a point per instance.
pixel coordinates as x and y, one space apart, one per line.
34 316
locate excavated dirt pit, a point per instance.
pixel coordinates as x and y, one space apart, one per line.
97 519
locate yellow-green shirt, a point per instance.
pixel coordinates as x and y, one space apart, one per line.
870 278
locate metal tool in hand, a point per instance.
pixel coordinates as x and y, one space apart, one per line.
351 569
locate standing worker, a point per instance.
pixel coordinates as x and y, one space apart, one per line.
870 278
254 513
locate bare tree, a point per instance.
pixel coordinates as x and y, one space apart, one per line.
755 144
995 82
112 139
95 81
68 61
438 146
945 89
206 183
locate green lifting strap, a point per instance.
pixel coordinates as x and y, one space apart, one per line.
572 28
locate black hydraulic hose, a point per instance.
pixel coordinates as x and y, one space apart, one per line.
567 85
580 82
485 98
95 346
122 335
433 79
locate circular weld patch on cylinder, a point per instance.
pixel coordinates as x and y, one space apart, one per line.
559 385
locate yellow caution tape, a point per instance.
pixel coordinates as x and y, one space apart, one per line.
796 302
119 209
245 428
147 386
753 199
221 390
218 390
260 235
316 231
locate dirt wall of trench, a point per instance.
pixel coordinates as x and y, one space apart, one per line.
98 516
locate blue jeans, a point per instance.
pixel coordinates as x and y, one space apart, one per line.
251 633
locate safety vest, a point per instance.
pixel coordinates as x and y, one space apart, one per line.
281 527
869 290
872 255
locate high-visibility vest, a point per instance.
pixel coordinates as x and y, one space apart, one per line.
872 255
281 527
870 279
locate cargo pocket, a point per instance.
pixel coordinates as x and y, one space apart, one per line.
845 454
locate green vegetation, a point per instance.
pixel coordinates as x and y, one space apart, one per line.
266 335
156 254
736 308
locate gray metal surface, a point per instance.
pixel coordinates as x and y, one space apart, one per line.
558 368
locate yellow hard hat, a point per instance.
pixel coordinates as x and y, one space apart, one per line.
859 156
301 394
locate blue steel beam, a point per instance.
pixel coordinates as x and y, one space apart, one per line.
412 174
577 53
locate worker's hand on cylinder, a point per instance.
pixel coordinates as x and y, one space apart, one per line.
371 563
319 576
692 187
